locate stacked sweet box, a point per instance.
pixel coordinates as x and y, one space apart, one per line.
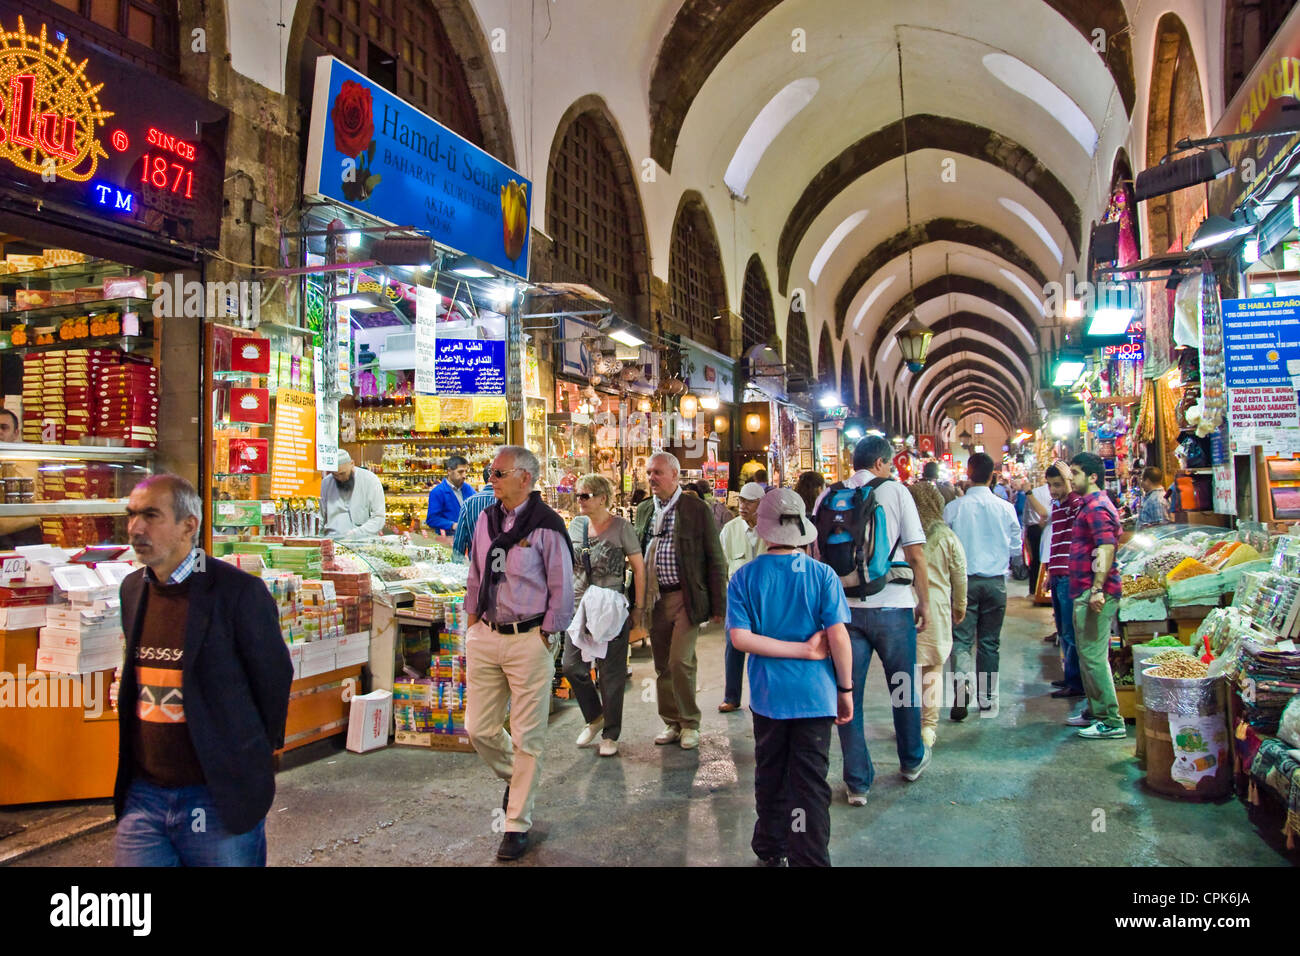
53 403
33 396
129 404
83 370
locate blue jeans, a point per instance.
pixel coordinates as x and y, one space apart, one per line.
1063 609
733 662
180 826
891 633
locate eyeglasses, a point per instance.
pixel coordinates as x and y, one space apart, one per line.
498 473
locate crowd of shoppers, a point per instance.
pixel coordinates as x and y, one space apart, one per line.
924 589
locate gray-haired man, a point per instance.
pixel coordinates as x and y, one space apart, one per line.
519 597
687 586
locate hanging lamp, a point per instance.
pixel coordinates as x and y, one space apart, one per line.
914 337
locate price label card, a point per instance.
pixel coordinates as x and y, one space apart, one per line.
225 508
268 508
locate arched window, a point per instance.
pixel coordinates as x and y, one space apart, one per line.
695 277
590 219
403 46
143 31
1175 111
826 358
864 391
757 319
846 376
798 352
877 401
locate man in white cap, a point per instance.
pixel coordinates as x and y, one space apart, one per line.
789 614
740 545
352 500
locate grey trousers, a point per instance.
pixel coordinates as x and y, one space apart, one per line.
980 630
612 670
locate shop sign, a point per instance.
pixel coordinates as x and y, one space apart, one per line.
122 143
374 152
426 340
470 367
709 373
1128 352
293 449
1269 417
1225 490
1262 104
327 430
1261 340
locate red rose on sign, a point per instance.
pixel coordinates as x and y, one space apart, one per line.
354 124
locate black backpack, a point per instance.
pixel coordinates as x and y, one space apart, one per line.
852 537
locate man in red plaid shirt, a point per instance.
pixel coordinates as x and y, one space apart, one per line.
1095 589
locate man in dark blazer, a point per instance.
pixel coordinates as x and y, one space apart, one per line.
687 586
204 694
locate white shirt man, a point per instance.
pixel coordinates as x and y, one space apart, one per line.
886 623
352 501
740 542
740 545
989 530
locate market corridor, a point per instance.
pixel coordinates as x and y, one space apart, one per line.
1016 790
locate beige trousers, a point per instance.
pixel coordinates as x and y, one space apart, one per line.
932 687
514 668
672 641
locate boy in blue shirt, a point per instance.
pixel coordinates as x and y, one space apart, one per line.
788 613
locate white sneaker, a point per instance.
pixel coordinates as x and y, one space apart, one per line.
608 748
669 735
589 733
690 739
915 772
857 799
1078 720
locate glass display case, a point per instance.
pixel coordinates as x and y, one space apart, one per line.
396 565
72 495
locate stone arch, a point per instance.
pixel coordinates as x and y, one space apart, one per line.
1175 111
972 363
980 399
465 34
825 357
940 287
633 299
924 131
1248 25
935 230
975 383
972 347
798 351
982 324
703 31
696 282
757 317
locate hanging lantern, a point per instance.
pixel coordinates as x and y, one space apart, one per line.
914 343
643 405
688 406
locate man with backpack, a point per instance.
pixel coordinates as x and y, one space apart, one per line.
869 532
989 530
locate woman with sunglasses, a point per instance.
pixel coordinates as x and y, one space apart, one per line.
606 545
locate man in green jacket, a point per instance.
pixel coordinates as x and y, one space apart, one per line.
687 586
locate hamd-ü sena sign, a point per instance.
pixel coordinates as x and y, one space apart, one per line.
375 153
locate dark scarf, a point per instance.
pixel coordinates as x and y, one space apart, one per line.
535 514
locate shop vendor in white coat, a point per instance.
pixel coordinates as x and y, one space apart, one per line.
352 500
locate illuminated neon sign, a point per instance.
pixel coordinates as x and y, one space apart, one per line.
82 129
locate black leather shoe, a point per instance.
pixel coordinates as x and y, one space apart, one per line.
1058 683
513 846
959 708
773 861
1066 692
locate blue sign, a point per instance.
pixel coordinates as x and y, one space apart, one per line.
376 153
470 367
1261 342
